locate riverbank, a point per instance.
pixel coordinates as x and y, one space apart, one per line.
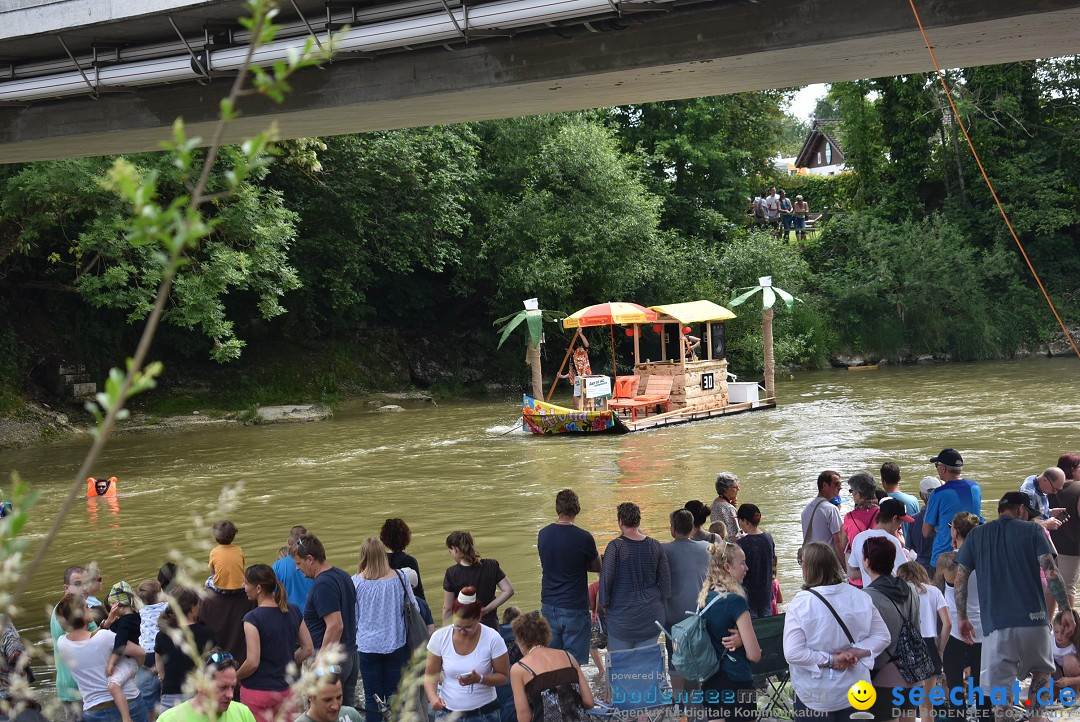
272 383
34 424
1055 347
299 384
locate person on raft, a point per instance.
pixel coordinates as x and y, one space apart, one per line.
579 366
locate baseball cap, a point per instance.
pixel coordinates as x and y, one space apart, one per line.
928 484
892 508
948 457
122 594
1019 498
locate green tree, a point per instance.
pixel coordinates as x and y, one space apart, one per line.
915 287
909 122
583 228
384 208
801 336
73 236
793 132
825 108
705 156
860 136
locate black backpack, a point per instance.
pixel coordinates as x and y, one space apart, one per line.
912 657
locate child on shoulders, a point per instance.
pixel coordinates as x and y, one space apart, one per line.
226 561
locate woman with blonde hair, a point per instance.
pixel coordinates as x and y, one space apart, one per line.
492 585
381 593
271 631
730 692
932 607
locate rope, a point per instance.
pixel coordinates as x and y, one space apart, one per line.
1001 209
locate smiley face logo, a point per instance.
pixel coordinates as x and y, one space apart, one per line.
862 695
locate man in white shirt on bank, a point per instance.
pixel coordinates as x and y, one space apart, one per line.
772 206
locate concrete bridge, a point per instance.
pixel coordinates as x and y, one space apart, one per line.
91 77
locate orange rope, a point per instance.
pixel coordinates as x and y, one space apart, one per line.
1004 215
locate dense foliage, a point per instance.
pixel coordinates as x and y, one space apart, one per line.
924 263
450 227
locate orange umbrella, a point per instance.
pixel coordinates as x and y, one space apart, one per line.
606 314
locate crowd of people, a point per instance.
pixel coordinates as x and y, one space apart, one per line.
987 603
773 210
981 593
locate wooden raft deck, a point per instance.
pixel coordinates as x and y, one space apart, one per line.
683 416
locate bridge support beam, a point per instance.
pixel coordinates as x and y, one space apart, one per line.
696 50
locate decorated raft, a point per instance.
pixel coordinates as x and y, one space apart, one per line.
541 417
682 378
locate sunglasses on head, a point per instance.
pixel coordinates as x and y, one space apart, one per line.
331 670
220 658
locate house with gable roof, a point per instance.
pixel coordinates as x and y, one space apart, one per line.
821 153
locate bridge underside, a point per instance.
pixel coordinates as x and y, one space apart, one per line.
706 49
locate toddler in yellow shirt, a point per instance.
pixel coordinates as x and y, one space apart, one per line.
226 561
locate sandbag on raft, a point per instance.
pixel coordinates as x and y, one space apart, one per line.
101 487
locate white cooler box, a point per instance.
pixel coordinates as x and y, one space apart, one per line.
741 392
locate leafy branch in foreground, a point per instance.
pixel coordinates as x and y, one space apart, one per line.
176 227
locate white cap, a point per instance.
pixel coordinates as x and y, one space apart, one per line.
411 575
928 484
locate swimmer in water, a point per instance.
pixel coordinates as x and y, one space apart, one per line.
101 487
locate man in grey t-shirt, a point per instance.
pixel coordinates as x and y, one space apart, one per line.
821 519
1008 555
689 562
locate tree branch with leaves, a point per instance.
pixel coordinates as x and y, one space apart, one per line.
176 227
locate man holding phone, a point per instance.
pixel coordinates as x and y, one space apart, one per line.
1039 488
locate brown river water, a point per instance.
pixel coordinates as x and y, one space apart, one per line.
454 467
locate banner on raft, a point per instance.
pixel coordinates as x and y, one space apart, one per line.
541 417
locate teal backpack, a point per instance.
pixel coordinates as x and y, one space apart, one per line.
692 651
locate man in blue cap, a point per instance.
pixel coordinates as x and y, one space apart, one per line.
955 495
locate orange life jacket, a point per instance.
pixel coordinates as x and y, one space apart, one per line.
91 487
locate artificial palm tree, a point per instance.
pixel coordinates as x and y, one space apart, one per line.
768 299
535 317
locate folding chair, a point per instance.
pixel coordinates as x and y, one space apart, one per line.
771 672
638 681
